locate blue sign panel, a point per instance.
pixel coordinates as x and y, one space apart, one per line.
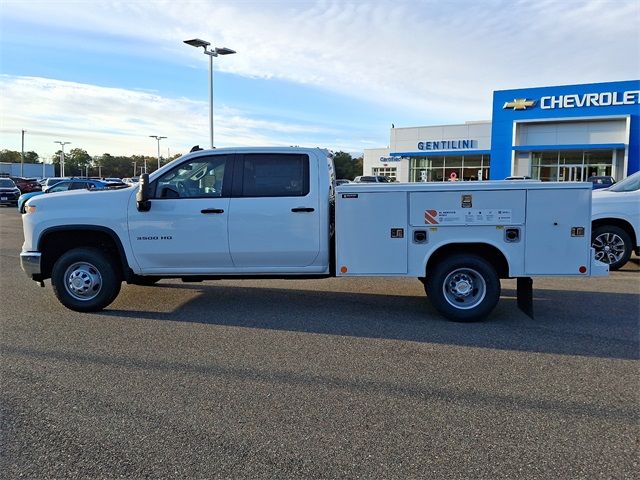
561 103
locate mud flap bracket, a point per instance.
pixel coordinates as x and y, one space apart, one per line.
525 295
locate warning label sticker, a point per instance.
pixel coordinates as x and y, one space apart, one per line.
468 217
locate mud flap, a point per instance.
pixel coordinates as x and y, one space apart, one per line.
525 295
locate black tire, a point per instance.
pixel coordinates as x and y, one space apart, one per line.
463 288
85 280
612 245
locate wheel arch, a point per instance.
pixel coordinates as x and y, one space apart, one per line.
55 241
487 251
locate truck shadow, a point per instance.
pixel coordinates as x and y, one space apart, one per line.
566 322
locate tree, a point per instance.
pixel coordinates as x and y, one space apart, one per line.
9 156
346 166
31 157
76 162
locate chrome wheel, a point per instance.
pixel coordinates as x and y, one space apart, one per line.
609 247
464 288
82 281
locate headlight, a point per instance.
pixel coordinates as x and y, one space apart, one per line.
30 209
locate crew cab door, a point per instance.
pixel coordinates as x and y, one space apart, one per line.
185 231
274 219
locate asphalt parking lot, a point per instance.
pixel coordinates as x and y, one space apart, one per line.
337 378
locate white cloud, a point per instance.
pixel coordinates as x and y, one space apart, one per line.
440 60
119 121
432 56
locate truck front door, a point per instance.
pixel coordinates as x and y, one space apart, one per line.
185 231
274 219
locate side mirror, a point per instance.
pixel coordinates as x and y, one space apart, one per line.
142 197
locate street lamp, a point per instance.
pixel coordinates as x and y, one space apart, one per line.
196 42
62 144
158 138
22 156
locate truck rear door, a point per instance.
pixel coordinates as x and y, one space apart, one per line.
274 218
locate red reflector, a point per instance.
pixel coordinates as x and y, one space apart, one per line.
582 269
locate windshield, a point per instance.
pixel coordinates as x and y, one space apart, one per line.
6 183
629 184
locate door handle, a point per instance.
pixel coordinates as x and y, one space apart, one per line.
212 210
303 209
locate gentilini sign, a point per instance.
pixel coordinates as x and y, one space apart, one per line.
447 145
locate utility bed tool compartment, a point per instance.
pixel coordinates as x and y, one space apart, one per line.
371 229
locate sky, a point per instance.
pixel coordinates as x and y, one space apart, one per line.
105 75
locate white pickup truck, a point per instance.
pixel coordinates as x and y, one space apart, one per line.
275 212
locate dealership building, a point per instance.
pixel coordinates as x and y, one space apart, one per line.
561 133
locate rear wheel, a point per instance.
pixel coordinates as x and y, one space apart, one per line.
463 288
612 245
85 280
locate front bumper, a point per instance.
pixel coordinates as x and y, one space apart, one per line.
30 263
9 198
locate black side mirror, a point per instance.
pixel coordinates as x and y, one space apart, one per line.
142 197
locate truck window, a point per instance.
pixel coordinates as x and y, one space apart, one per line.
275 175
200 177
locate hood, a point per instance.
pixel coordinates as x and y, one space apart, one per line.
96 201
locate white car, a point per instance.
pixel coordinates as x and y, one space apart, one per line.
371 179
615 218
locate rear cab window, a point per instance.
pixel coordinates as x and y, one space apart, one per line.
273 175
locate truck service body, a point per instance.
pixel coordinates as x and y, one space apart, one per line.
275 212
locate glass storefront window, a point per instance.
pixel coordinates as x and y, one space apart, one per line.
390 172
436 172
440 168
570 165
472 168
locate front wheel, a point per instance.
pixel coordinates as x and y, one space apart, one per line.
85 280
463 288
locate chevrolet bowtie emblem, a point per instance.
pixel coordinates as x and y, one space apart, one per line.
520 104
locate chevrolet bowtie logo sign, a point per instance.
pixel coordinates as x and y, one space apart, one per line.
520 104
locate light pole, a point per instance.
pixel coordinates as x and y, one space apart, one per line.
196 42
62 144
22 156
158 138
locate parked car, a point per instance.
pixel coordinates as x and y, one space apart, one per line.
9 192
131 180
27 185
53 180
342 181
615 214
115 183
372 179
63 186
601 181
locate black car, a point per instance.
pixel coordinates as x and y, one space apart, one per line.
9 192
